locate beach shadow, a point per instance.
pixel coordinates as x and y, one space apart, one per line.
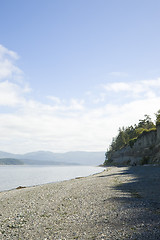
142 201
108 175
146 182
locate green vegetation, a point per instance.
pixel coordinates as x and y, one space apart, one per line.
10 161
129 135
158 117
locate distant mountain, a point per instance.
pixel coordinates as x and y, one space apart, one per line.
68 158
83 158
8 155
10 161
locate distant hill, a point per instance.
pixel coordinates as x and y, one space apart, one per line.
50 158
10 161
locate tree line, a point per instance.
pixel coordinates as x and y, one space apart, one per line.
128 135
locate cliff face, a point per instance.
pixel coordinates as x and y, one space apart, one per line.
145 150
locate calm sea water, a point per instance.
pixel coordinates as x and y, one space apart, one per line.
14 176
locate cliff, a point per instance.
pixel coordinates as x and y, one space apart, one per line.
145 150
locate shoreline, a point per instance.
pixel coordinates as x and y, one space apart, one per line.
42 184
53 180
118 203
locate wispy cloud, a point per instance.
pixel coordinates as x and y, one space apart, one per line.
118 74
27 124
7 67
136 89
54 99
6 52
117 87
64 105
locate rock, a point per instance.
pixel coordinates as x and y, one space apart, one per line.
145 150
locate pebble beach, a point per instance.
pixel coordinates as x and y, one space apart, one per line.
119 203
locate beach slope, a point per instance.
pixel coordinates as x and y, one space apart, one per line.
119 203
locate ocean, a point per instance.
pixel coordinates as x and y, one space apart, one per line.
12 177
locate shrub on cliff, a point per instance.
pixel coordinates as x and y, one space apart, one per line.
132 141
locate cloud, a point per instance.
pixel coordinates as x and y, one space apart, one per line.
63 105
54 99
136 89
60 125
76 104
71 126
117 87
5 52
7 66
118 74
10 94
100 98
12 86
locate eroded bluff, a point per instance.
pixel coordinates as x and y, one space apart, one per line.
145 150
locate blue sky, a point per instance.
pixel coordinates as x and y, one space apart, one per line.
73 72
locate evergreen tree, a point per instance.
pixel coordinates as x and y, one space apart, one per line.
158 117
128 135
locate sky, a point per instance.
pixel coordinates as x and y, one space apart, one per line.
73 72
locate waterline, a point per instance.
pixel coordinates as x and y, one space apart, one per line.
24 175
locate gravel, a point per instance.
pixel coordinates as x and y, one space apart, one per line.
119 203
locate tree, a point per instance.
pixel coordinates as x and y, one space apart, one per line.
157 117
146 123
128 135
